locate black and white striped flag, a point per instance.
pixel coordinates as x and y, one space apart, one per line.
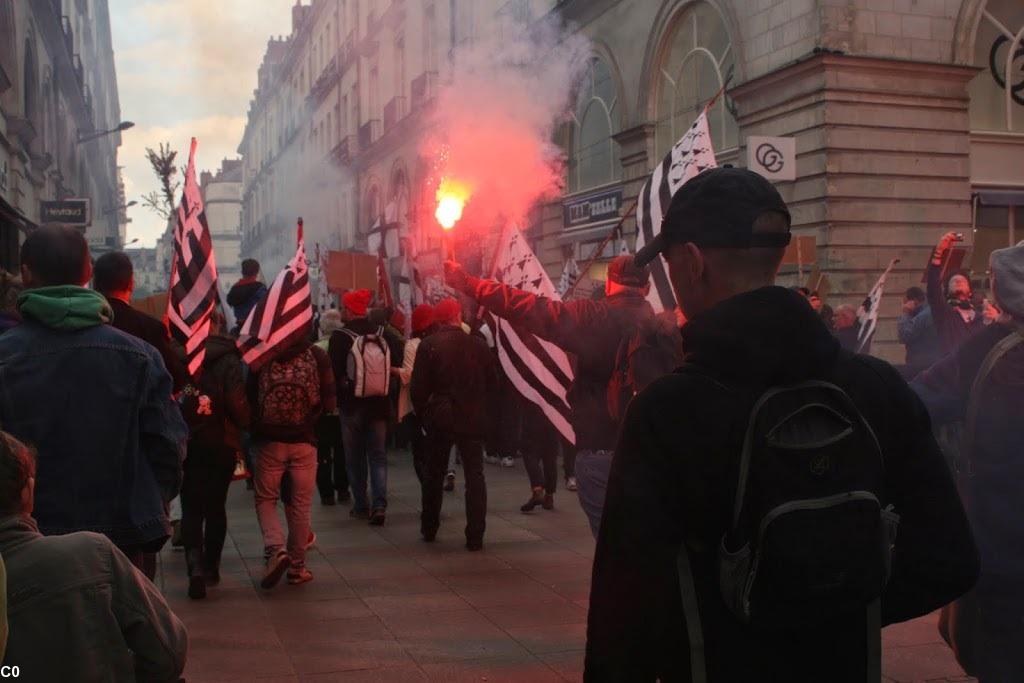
538 369
688 157
284 316
867 314
193 290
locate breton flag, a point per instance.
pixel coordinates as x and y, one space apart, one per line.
688 157
284 316
538 369
570 273
193 291
867 314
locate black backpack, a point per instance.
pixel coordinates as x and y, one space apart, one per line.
809 538
653 350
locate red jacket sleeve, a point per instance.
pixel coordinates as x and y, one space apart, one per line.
558 322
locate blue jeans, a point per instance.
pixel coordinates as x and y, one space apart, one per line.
365 455
592 468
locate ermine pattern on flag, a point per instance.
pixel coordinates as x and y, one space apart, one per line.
688 157
283 317
570 273
193 290
867 314
538 369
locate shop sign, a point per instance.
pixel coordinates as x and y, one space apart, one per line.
65 212
591 208
773 158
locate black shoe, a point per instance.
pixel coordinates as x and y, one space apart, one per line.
474 546
549 502
536 499
344 496
378 517
196 581
211 575
449 481
327 501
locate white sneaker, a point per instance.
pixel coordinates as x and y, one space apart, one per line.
507 461
570 484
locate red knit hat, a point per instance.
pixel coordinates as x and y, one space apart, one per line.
447 309
397 320
357 301
422 317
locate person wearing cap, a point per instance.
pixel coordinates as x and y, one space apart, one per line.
364 421
673 477
592 331
991 472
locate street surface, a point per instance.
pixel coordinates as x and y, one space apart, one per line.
385 606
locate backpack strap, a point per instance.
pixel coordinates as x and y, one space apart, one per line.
996 354
691 614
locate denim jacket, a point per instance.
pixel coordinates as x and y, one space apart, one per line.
96 404
79 611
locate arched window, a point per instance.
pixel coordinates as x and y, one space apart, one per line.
593 154
372 208
695 60
8 46
400 198
997 93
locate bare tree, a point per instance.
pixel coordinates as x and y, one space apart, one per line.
162 162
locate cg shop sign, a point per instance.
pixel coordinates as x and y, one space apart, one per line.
774 158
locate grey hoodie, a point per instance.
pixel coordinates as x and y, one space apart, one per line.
1008 270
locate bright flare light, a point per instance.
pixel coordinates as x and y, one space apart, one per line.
451 198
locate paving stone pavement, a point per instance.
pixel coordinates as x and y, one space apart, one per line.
384 606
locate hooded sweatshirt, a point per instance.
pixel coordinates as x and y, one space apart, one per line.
66 307
673 478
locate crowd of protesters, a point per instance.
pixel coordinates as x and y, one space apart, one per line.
764 495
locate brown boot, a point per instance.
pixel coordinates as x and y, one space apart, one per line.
536 499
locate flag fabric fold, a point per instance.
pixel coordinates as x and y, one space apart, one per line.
570 273
193 288
283 317
538 369
692 154
867 314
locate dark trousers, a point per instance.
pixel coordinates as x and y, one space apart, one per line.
414 432
471 451
143 560
569 459
331 475
204 492
541 462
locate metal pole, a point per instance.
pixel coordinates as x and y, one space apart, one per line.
600 248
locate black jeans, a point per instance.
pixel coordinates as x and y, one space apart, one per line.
144 560
204 492
414 432
541 460
471 451
331 475
569 459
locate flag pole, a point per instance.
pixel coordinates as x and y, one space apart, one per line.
600 248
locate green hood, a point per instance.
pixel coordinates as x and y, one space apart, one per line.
65 307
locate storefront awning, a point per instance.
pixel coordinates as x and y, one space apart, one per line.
1000 197
9 214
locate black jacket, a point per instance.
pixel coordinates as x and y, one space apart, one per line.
455 374
592 330
949 324
997 458
153 332
674 477
372 407
222 380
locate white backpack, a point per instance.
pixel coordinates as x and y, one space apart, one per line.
369 364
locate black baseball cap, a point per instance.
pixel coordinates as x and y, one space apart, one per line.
718 208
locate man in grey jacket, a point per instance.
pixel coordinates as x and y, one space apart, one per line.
79 591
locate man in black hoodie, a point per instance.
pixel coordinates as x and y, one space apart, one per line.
674 473
246 293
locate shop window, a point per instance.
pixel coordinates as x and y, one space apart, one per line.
696 60
997 92
594 155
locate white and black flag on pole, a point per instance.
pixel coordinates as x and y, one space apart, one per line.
538 369
193 290
867 314
688 157
284 316
570 273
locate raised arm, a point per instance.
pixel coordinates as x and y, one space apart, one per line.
936 296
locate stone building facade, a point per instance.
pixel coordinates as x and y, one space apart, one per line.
905 123
222 202
58 91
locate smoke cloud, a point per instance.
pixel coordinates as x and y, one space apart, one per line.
495 120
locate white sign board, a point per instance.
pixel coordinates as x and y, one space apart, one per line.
774 158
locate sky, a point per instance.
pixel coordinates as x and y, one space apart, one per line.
185 68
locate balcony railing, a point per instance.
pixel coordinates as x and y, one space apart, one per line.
423 89
394 111
343 151
368 133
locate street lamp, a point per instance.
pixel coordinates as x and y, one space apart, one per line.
124 125
119 208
